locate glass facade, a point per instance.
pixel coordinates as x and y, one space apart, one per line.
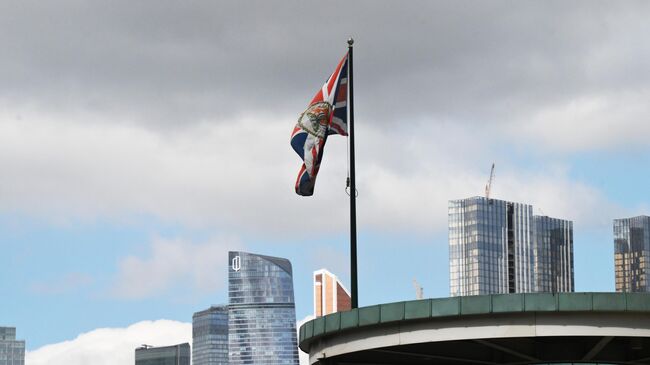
167 355
210 336
553 255
12 351
496 246
262 315
632 253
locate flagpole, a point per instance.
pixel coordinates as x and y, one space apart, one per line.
353 190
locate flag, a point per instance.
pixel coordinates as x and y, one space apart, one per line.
325 115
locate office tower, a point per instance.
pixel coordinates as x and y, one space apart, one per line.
553 254
12 351
261 315
632 253
167 355
210 336
496 246
329 294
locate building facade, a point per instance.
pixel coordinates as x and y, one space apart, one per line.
496 246
166 355
12 351
210 336
632 254
329 294
553 255
261 315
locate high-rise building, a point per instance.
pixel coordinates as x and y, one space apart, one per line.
12 351
262 314
165 355
496 246
553 255
210 336
329 294
632 254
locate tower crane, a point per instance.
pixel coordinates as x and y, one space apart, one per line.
488 186
419 291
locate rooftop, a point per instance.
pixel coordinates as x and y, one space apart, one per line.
595 323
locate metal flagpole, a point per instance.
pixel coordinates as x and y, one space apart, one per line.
353 190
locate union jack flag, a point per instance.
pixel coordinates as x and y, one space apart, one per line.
325 115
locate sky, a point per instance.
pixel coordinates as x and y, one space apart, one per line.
140 141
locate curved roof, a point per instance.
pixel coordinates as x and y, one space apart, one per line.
369 328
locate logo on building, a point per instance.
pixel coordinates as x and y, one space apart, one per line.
236 263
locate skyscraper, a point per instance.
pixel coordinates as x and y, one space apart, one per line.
553 255
210 336
329 294
496 246
12 351
167 355
261 315
632 253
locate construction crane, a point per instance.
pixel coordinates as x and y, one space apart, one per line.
419 291
488 186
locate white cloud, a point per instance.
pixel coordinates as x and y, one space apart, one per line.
239 176
116 346
589 122
111 346
552 192
172 264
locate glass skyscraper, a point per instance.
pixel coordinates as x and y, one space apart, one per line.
496 246
262 315
210 336
167 355
632 254
12 351
553 254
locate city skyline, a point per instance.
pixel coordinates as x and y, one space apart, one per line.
500 247
140 142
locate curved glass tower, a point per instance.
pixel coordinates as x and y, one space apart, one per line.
262 314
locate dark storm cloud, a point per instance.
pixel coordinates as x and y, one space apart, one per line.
168 62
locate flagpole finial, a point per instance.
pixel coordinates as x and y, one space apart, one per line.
350 41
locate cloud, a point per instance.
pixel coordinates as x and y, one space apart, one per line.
589 122
553 192
111 346
170 65
173 264
111 116
239 177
